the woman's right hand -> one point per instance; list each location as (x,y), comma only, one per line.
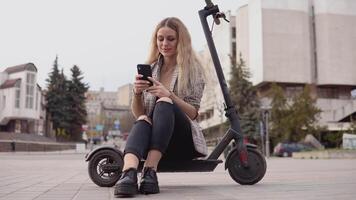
(140,85)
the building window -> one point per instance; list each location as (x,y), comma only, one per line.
(206,115)
(233,32)
(292,91)
(30,87)
(328,93)
(36,100)
(31,68)
(3,102)
(17,94)
(233,51)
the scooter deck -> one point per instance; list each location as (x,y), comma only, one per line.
(186,165)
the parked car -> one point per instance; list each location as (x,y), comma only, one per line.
(287,149)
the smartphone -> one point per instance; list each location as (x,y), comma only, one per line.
(146,71)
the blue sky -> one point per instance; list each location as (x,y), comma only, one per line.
(105,38)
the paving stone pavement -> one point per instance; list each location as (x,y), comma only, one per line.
(63,176)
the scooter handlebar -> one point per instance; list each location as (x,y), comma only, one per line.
(216,13)
(209,4)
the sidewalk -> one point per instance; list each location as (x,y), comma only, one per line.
(64,177)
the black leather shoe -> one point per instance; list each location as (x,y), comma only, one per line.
(149,182)
(127,184)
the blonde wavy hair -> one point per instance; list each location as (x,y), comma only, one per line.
(190,69)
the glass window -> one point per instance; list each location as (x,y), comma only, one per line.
(17,94)
(233,51)
(31,68)
(36,100)
(291,91)
(3,101)
(233,32)
(328,93)
(17,99)
(30,87)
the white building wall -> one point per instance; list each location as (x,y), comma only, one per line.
(336,41)
(242,34)
(10,111)
(7,103)
(23,112)
(3,77)
(255,41)
(286,41)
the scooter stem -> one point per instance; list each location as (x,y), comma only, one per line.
(230,110)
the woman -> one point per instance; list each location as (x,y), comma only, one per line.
(166,127)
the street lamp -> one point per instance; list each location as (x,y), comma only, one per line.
(262,134)
(265,115)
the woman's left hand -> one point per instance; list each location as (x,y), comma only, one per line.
(158,89)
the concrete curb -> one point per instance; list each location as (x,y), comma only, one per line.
(327,154)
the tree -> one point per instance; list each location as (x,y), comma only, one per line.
(56,100)
(77,114)
(352,128)
(53,76)
(244,96)
(279,114)
(305,115)
(293,119)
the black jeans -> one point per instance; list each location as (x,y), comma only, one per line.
(170,134)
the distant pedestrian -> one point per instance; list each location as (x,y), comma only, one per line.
(13,146)
(85,138)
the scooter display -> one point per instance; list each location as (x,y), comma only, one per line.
(245,164)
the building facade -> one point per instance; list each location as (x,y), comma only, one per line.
(105,108)
(295,43)
(21,100)
(124,95)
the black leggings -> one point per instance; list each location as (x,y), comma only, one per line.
(170,134)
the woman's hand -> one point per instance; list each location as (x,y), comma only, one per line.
(158,89)
(140,85)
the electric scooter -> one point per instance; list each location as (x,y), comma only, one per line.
(245,163)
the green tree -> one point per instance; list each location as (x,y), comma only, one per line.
(77,114)
(280,114)
(56,100)
(244,96)
(304,115)
(352,128)
(293,119)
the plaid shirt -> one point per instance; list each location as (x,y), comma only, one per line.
(193,97)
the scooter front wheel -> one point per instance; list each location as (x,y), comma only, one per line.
(105,168)
(251,174)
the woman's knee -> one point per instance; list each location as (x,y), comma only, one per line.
(144,118)
(165,99)
(164,106)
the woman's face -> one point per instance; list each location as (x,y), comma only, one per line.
(167,41)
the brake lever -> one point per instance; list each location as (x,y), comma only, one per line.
(221,15)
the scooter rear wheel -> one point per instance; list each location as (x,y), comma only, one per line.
(101,159)
(247,175)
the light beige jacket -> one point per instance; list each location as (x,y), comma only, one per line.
(193,97)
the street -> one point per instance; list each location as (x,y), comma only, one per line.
(63,176)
